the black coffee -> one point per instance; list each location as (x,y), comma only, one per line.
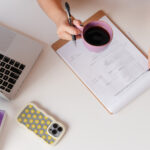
(96,36)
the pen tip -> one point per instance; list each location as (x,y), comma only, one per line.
(67,6)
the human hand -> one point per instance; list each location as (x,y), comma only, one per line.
(64,30)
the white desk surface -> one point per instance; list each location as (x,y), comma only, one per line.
(56,88)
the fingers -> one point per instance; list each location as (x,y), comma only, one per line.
(72,30)
(77,22)
(78,36)
(65,31)
(65,36)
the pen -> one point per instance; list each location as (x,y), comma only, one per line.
(67,7)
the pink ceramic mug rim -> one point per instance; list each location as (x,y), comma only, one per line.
(85,28)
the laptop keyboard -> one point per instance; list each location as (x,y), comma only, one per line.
(10,70)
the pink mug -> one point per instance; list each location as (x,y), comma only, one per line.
(92,24)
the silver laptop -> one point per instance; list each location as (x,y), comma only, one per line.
(18,53)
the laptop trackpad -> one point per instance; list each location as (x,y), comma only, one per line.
(6,38)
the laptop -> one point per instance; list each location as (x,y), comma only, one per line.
(18,54)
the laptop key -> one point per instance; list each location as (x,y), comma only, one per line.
(7,72)
(5,84)
(2,87)
(6,59)
(12,62)
(7,66)
(5,77)
(15,70)
(1,75)
(2,70)
(17,64)
(10,86)
(2,64)
(1,56)
(13,75)
(7,90)
(12,81)
(22,67)
(1,81)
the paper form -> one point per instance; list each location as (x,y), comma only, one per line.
(111,73)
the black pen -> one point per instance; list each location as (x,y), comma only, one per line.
(67,7)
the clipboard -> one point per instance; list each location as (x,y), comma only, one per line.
(59,43)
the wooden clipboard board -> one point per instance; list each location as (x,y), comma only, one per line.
(58,44)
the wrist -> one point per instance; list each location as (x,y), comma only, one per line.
(62,18)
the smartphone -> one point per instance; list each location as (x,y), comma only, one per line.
(2,118)
(41,124)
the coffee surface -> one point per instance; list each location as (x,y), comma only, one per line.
(96,36)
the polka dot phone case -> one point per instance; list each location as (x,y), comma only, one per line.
(41,124)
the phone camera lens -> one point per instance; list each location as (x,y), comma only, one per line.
(55,125)
(60,129)
(54,132)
